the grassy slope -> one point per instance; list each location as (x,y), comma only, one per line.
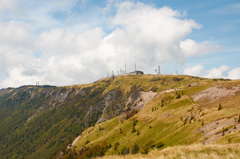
(229,151)
(166,123)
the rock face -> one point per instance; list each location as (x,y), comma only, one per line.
(138,100)
(215,93)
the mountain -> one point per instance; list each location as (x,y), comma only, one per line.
(192,113)
(117,115)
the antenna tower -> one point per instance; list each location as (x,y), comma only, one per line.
(176,69)
(125,68)
(159,70)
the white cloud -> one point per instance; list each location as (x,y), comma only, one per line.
(221,72)
(192,49)
(217,72)
(8,4)
(140,33)
(234,74)
(194,71)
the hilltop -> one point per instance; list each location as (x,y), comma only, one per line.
(120,115)
(183,110)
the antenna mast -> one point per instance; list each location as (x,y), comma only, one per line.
(125,68)
(159,70)
(176,69)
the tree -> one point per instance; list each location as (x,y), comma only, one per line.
(220,106)
(138,133)
(135,149)
(133,129)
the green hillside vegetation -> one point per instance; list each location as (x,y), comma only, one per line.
(194,151)
(170,119)
(40,122)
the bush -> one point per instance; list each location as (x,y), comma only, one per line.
(159,144)
(220,107)
(86,142)
(125,151)
(133,130)
(135,149)
(178,96)
(116,146)
(138,133)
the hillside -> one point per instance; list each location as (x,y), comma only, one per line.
(201,112)
(40,122)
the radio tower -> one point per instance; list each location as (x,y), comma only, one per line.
(176,69)
(159,70)
(125,68)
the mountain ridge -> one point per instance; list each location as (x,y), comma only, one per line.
(39,122)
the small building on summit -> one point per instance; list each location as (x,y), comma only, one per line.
(135,73)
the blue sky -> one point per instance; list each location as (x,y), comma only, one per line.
(65,42)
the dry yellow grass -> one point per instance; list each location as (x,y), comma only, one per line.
(196,151)
(168,122)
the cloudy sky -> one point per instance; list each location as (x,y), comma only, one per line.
(65,42)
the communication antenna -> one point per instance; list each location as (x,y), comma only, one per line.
(125,67)
(112,73)
(176,69)
(155,71)
(159,70)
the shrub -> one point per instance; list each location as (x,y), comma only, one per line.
(159,144)
(125,150)
(135,149)
(220,106)
(86,142)
(138,133)
(133,129)
(178,96)
(116,146)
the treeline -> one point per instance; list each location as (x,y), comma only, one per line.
(100,150)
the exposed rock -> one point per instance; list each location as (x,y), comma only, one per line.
(215,93)
(62,95)
(138,100)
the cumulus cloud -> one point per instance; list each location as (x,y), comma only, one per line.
(234,74)
(217,72)
(221,72)
(139,33)
(192,49)
(194,71)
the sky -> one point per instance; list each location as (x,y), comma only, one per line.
(66,42)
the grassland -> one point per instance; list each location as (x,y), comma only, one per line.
(173,121)
(194,151)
